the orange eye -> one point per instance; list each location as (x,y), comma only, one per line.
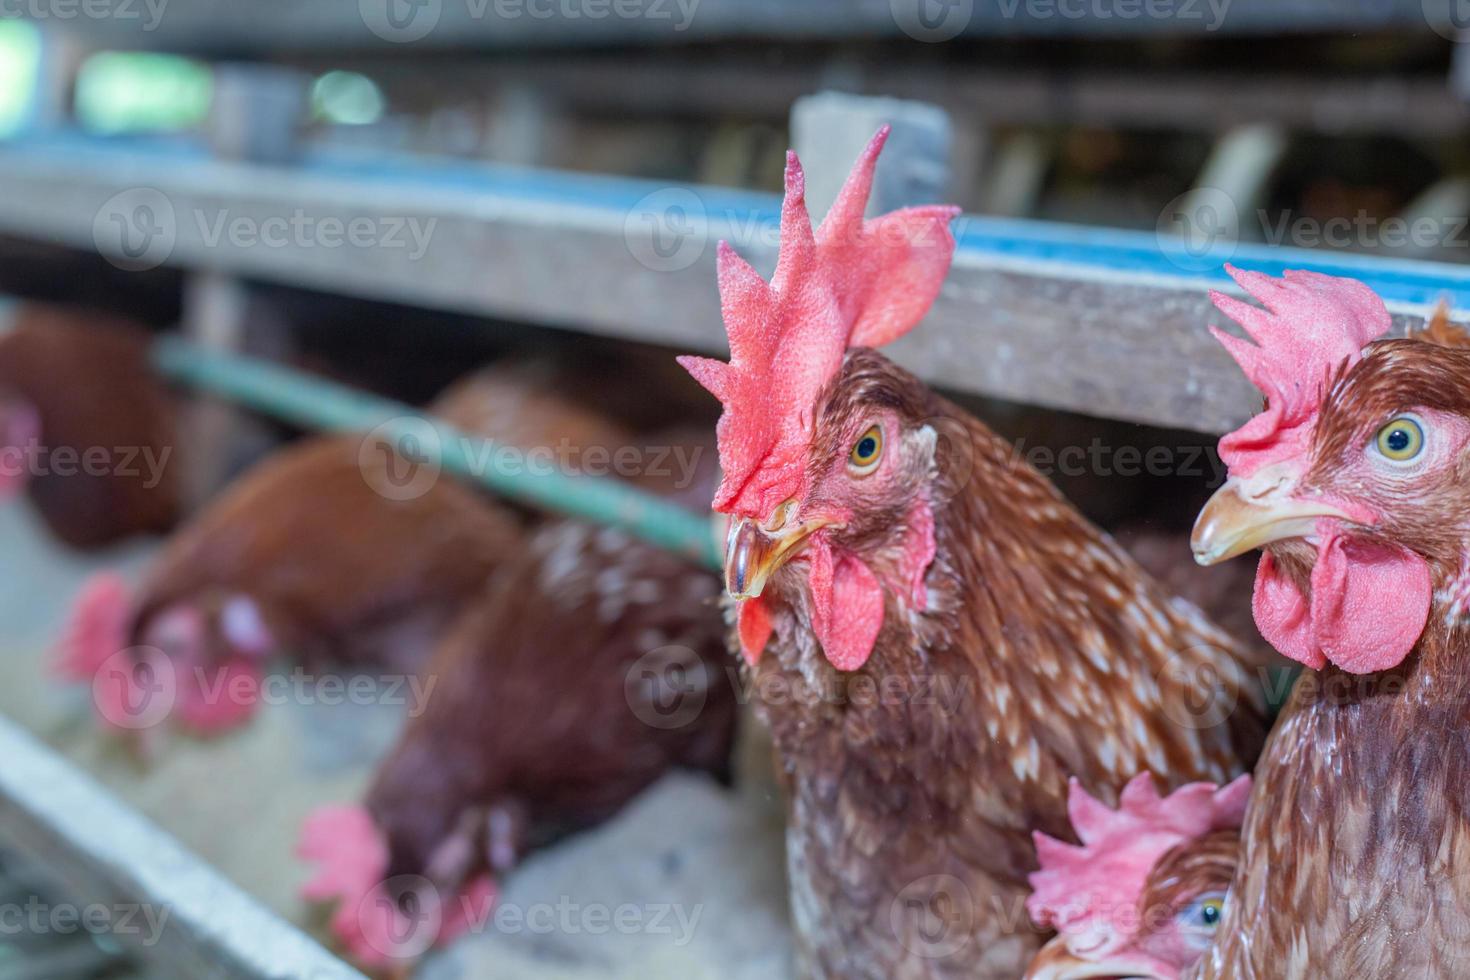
(867,450)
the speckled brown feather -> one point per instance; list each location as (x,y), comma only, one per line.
(538,714)
(1045,652)
(338,571)
(1360,864)
(89,377)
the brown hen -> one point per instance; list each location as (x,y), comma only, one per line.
(590,665)
(304,554)
(936,638)
(1354,481)
(86,427)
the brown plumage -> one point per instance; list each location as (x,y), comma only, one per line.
(83,382)
(531,405)
(338,571)
(1222,593)
(590,665)
(549,700)
(1040,651)
(1354,858)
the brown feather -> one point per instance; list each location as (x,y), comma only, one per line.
(1045,652)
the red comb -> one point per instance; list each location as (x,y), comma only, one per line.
(95,629)
(1311,324)
(1095,887)
(851,283)
(351,855)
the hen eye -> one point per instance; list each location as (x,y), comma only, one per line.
(1400,440)
(867,450)
(1204,914)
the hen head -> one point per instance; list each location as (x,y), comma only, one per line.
(1143,894)
(382,918)
(20,431)
(196,662)
(1350,478)
(823,452)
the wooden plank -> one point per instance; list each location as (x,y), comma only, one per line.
(1087,319)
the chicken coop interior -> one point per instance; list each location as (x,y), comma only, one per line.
(398,582)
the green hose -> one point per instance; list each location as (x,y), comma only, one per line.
(313,402)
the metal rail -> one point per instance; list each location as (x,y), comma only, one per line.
(297,397)
(1104,322)
(104,854)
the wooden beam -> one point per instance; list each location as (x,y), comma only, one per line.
(1094,320)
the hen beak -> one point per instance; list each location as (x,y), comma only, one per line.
(1247,514)
(752,553)
(1057,962)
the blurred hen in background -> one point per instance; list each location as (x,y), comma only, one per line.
(323,553)
(75,384)
(591,664)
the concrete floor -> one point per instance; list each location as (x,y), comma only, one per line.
(701,865)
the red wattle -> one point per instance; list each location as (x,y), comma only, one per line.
(847,607)
(1283,615)
(1370,602)
(754,627)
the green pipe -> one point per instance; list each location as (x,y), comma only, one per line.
(316,403)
